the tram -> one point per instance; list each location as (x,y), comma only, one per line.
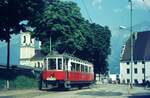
(65,71)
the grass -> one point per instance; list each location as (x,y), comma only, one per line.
(21,82)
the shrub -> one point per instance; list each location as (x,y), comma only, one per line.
(23,82)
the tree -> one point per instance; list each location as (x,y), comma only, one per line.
(101,47)
(12,12)
(63,22)
(97,47)
(72,34)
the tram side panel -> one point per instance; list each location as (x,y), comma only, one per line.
(79,76)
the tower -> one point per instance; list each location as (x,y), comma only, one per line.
(27,48)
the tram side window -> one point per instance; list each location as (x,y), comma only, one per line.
(45,64)
(64,64)
(82,68)
(77,67)
(89,69)
(59,64)
(52,64)
(72,66)
(86,69)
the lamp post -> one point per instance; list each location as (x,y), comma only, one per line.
(131,35)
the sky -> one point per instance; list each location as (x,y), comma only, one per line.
(114,13)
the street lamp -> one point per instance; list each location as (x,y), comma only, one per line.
(131,35)
(131,43)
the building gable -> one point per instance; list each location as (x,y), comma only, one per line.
(141,47)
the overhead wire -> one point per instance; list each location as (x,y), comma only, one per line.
(86,10)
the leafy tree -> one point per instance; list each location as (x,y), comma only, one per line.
(72,34)
(97,47)
(12,12)
(101,47)
(63,22)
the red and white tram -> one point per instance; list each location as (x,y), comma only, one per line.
(66,71)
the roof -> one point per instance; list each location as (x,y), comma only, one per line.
(55,54)
(141,47)
(38,55)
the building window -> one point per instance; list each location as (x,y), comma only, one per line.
(143,70)
(135,70)
(24,39)
(38,64)
(35,65)
(128,71)
(123,81)
(128,63)
(135,81)
(128,81)
(135,62)
(143,62)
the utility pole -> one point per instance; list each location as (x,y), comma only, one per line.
(131,32)
(50,42)
(8,59)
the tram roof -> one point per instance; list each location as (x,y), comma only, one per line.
(68,57)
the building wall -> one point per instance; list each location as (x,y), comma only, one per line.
(27,48)
(139,76)
(38,63)
(147,70)
(26,62)
(26,52)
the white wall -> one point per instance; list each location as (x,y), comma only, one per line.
(139,76)
(38,63)
(27,48)
(147,69)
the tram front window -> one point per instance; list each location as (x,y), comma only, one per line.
(52,64)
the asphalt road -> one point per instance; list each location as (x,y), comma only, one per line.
(96,91)
(143,95)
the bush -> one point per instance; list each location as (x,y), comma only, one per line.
(22,82)
(2,82)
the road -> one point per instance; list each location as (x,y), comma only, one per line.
(96,91)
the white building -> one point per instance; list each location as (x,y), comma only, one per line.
(113,78)
(141,59)
(29,56)
(27,48)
